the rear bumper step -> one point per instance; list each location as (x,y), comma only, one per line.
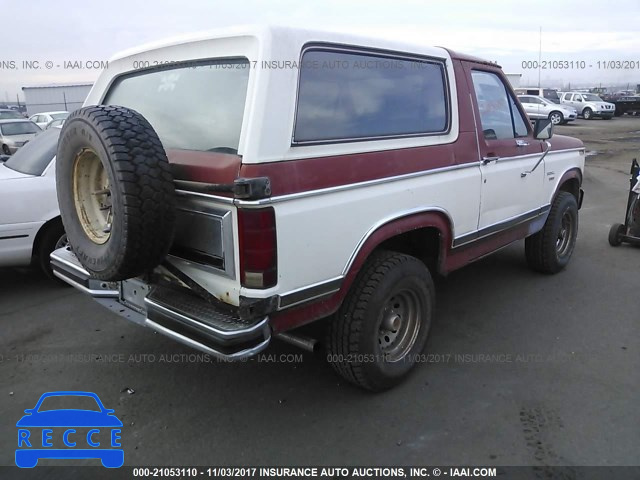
(176,313)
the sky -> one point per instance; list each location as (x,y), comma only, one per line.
(504,31)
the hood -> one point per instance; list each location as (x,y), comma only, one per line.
(7,174)
(69,418)
(562,142)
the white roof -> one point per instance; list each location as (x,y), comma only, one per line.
(267,34)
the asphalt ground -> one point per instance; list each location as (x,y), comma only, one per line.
(520,368)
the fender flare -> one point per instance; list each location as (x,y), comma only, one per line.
(391,227)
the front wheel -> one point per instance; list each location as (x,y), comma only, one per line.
(550,250)
(5,150)
(587,113)
(556,118)
(374,340)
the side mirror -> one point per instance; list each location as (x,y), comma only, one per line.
(542,129)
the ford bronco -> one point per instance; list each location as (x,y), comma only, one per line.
(229,188)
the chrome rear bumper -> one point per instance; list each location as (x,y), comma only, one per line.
(176,313)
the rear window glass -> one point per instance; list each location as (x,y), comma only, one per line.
(346,96)
(9,115)
(19,128)
(35,155)
(191,107)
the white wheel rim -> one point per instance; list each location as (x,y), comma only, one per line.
(92,196)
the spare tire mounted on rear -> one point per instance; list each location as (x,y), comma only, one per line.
(115,191)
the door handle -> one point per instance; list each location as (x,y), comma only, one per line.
(522,143)
(488,160)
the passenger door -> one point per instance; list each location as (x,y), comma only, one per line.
(507,150)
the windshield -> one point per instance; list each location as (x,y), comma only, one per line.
(18,128)
(69,402)
(61,115)
(195,107)
(589,97)
(34,157)
(9,115)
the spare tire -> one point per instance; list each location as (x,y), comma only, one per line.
(115,191)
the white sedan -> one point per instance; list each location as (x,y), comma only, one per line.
(30,224)
(44,118)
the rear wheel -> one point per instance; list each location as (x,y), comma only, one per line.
(616,232)
(5,150)
(383,324)
(52,238)
(556,118)
(550,250)
(587,113)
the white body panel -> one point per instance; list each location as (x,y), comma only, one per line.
(26,203)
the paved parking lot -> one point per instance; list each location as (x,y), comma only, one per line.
(525,368)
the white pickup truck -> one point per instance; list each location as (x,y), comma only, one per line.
(228,188)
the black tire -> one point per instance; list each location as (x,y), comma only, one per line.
(5,150)
(587,113)
(134,185)
(556,118)
(549,250)
(51,239)
(354,346)
(616,232)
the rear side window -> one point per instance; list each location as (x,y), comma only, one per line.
(346,96)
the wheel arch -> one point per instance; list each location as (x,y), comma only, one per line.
(57,220)
(408,233)
(400,233)
(570,182)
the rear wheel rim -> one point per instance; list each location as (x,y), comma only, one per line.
(565,234)
(92,196)
(399,325)
(62,242)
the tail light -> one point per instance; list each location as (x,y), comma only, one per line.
(258,247)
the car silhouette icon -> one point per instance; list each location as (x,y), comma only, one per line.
(69,433)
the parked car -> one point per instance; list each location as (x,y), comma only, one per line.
(538,107)
(588,105)
(288,195)
(55,123)
(30,224)
(43,119)
(548,93)
(10,114)
(15,133)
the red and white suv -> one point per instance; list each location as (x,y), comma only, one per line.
(228,188)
